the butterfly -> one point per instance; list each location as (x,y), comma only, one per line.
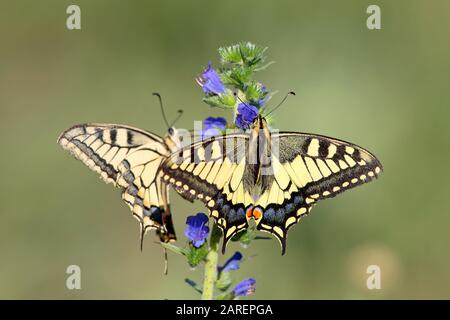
(273,178)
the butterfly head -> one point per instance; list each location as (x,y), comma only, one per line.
(260,122)
(173,139)
(177,138)
(259,127)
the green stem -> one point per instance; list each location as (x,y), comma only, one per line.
(212,260)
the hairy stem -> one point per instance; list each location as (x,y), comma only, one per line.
(212,259)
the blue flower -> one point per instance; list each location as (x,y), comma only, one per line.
(213,126)
(210,81)
(266,97)
(197,229)
(247,113)
(232,263)
(245,288)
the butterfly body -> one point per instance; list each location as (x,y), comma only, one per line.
(273,178)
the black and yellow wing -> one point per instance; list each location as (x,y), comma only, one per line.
(213,171)
(128,158)
(303,169)
(308,168)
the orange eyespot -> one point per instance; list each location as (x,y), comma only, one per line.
(254,212)
(257,213)
(249,212)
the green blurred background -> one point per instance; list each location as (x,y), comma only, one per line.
(386,90)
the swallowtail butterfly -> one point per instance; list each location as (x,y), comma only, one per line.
(273,178)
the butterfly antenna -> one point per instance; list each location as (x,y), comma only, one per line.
(245,103)
(162,108)
(180,113)
(282,101)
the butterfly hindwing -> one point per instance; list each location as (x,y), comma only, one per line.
(144,191)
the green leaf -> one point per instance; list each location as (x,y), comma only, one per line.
(225,100)
(253,55)
(245,236)
(230,54)
(228,99)
(239,76)
(254,93)
(264,67)
(224,281)
(244,53)
(197,255)
(194,285)
(248,235)
(175,249)
(216,101)
(226,296)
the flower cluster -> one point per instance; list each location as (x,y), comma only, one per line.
(245,288)
(210,81)
(197,231)
(232,87)
(246,114)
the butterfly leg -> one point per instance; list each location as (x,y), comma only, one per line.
(167,231)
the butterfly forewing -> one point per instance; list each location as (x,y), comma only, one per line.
(325,167)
